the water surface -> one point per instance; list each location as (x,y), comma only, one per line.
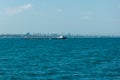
(71,59)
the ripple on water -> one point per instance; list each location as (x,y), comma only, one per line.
(71,59)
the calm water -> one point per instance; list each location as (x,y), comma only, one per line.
(71,59)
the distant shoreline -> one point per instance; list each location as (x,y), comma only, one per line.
(54,35)
(48,36)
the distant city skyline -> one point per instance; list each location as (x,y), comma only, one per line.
(85,17)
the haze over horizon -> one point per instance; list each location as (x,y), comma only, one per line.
(85,17)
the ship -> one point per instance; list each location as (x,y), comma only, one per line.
(61,37)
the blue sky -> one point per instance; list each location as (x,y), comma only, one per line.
(85,17)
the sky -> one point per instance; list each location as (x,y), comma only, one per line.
(85,17)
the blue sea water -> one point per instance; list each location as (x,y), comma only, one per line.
(70,59)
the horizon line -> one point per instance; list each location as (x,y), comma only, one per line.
(72,34)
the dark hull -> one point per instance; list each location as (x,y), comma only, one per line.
(59,38)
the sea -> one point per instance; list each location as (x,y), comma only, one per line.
(70,59)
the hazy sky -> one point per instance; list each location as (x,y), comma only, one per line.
(93,17)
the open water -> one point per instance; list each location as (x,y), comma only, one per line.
(71,59)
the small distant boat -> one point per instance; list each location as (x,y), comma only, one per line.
(61,37)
